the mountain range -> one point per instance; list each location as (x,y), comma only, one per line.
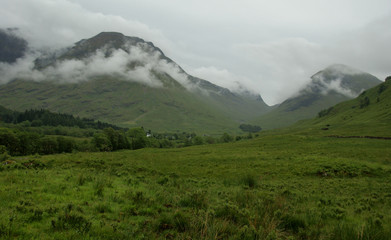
(131,82)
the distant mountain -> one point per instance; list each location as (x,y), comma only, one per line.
(367,115)
(328,87)
(12,47)
(129,82)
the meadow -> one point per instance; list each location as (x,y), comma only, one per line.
(276,186)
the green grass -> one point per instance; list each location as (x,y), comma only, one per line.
(276,186)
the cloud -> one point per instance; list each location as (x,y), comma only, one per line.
(283,66)
(327,86)
(59,23)
(223,77)
(118,64)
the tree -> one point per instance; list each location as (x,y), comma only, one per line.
(226,138)
(48,145)
(138,138)
(197,140)
(112,135)
(65,144)
(10,141)
(29,143)
(101,142)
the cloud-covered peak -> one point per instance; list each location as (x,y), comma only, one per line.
(108,53)
(342,79)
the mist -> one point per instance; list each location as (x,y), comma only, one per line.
(117,64)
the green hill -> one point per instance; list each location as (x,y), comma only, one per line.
(129,82)
(333,85)
(367,115)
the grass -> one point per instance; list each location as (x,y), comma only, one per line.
(276,186)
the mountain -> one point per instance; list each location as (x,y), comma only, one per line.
(367,115)
(12,47)
(129,82)
(335,84)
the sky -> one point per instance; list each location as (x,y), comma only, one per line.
(270,47)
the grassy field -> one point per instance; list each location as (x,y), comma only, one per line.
(277,186)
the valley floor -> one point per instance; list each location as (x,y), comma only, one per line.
(287,186)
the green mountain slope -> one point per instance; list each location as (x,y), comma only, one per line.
(333,85)
(367,115)
(141,86)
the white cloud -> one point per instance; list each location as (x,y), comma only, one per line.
(223,77)
(282,66)
(98,64)
(59,23)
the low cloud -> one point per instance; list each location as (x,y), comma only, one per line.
(118,64)
(283,66)
(225,78)
(335,85)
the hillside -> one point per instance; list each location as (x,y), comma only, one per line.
(129,82)
(367,115)
(333,85)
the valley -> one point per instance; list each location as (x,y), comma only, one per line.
(111,139)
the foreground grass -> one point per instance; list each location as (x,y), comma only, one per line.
(273,187)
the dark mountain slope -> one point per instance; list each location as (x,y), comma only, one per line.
(12,47)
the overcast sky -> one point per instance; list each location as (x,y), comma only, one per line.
(271,47)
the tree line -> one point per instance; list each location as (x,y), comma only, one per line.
(43,117)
